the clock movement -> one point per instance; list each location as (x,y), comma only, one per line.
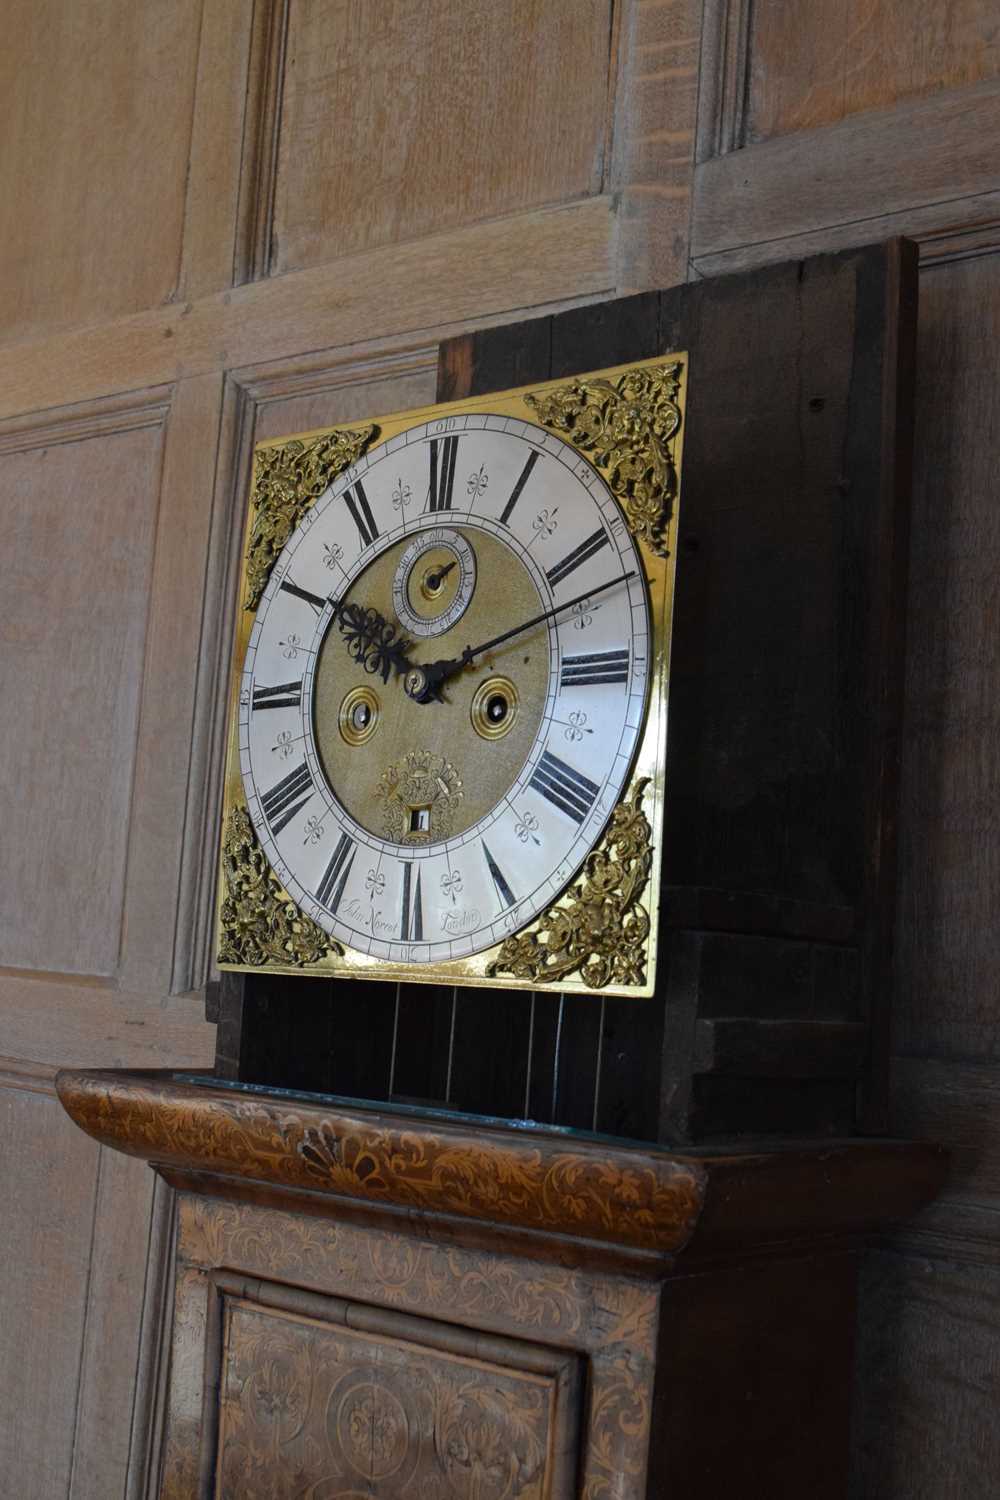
(448,706)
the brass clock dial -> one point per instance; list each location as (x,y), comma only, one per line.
(444,691)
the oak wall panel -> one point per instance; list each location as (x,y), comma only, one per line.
(412,117)
(80,504)
(48,1181)
(813,62)
(96,103)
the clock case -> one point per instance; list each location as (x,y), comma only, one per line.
(771,1012)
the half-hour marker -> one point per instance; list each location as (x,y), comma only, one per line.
(336,873)
(357,504)
(593,667)
(515,493)
(580,554)
(568,790)
(504,891)
(287,798)
(444,451)
(282,695)
(411,922)
(315,600)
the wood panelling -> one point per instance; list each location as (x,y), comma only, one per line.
(958,1105)
(410,117)
(115,1291)
(49,1021)
(656,110)
(812,64)
(95,102)
(925,1423)
(948,949)
(344,393)
(48,1182)
(79,518)
(466,276)
(864,173)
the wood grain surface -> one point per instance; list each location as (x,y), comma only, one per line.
(441,83)
(812,65)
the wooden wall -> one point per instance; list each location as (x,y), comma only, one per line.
(224,219)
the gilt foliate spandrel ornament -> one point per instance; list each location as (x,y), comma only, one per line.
(598,928)
(287,479)
(626,426)
(258,922)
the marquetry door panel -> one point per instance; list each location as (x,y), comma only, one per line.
(340,1400)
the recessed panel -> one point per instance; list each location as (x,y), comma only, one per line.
(815,64)
(411,117)
(96,102)
(74,578)
(406,1408)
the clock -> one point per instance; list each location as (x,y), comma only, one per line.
(448,705)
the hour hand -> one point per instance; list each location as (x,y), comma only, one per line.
(371,640)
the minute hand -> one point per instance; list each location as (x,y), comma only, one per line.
(422,682)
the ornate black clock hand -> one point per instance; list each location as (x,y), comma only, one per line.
(423,681)
(371,640)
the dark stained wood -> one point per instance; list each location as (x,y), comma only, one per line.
(801,1049)
(771,1417)
(925,1420)
(949,999)
(489,1070)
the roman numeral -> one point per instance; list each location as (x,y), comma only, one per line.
(411,922)
(357,504)
(594,667)
(444,451)
(581,554)
(568,790)
(336,874)
(282,695)
(507,897)
(515,493)
(317,603)
(290,795)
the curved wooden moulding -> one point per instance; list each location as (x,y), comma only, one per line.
(629,1198)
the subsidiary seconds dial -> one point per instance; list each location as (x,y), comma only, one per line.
(421,829)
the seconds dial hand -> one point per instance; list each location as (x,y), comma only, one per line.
(422,682)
